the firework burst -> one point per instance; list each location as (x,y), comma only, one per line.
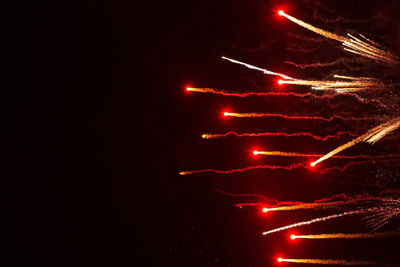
(377,211)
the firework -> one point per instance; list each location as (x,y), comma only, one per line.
(335,201)
(352,84)
(295,154)
(307,134)
(224,93)
(259,69)
(344,61)
(277,115)
(366,48)
(313,206)
(380,218)
(376,210)
(346,236)
(322,219)
(272,93)
(220,92)
(268,167)
(371,136)
(312,28)
(330,262)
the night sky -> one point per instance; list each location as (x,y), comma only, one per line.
(98,126)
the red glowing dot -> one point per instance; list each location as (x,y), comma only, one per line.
(279,259)
(255,152)
(226,113)
(293,237)
(264,210)
(280,82)
(281,13)
(312,164)
(188,89)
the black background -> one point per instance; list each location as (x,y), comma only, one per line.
(98,127)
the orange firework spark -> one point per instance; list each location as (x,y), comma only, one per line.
(316,137)
(351,44)
(352,84)
(371,136)
(277,115)
(330,262)
(346,236)
(326,203)
(305,206)
(333,202)
(312,28)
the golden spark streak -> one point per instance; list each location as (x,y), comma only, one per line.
(366,48)
(268,72)
(329,261)
(394,125)
(371,136)
(310,206)
(322,219)
(352,84)
(346,236)
(310,27)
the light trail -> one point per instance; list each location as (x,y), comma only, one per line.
(369,49)
(280,167)
(268,72)
(371,136)
(384,130)
(321,219)
(277,115)
(332,262)
(295,154)
(312,28)
(365,48)
(268,167)
(351,84)
(299,134)
(220,92)
(322,205)
(344,61)
(335,200)
(325,203)
(272,93)
(346,236)
(381,158)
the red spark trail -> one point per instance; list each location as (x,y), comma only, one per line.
(316,137)
(293,166)
(224,93)
(295,154)
(353,163)
(277,115)
(241,195)
(269,167)
(271,93)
